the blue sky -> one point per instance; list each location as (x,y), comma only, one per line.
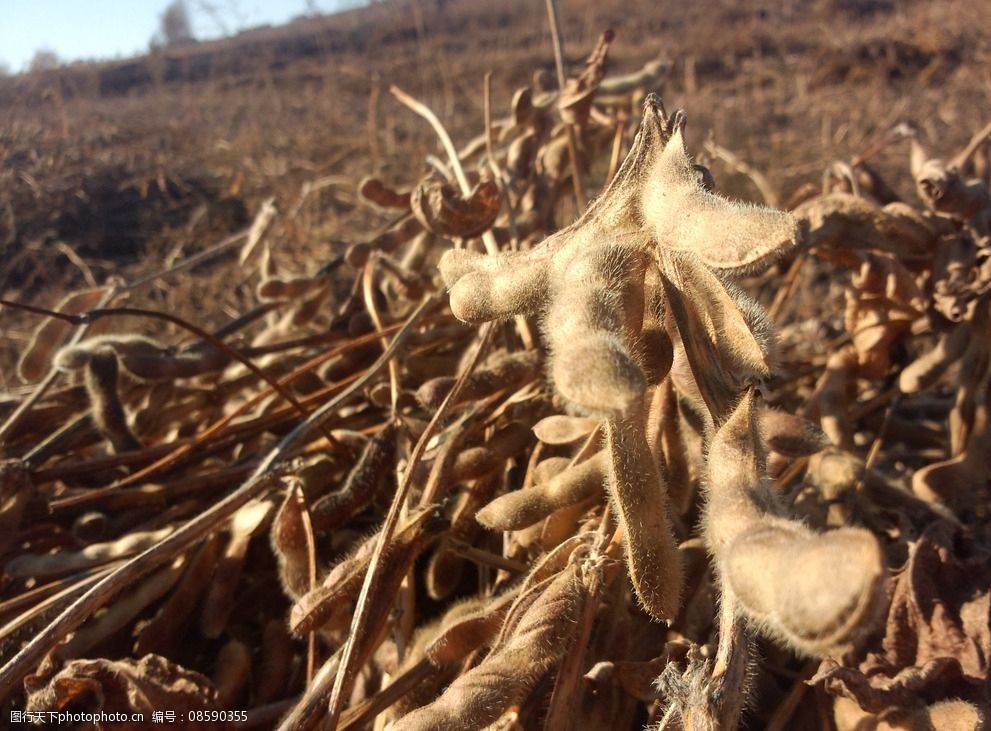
(100,29)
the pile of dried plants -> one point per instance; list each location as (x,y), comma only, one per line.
(487,471)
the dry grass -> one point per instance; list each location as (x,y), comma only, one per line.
(312,484)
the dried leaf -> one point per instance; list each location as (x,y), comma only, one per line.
(127,687)
(440,208)
(937,640)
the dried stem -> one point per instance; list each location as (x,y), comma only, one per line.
(494,163)
(616,155)
(976,141)
(741,166)
(785,290)
(399,687)
(566,698)
(311,568)
(552,15)
(368,283)
(306,711)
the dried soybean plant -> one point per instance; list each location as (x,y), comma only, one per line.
(626,502)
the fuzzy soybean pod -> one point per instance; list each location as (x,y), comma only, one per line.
(107,409)
(363,483)
(505,371)
(477,462)
(790,435)
(540,639)
(589,280)
(444,571)
(639,493)
(487,288)
(194,362)
(145,359)
(563,429)
(592,327)
(526,507)
(817,593)
(466,627)
(928,367)
(231,672)
(44,565)
(655,349)
(289,544)
(340,588)
(726,337)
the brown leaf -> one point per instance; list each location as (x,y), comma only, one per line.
(126,686)
(937,641)
(881,306)
(444,211)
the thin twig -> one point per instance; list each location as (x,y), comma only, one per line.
(311,571)
(744,168)
(617,148)
(558,43)
(875,449)
(485,558)
(976,141)
(487,117)
(43,605)
(69,253)
(494,163)
(307,710)
(785,290)
(781,719)
(399,687)
(367,284)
